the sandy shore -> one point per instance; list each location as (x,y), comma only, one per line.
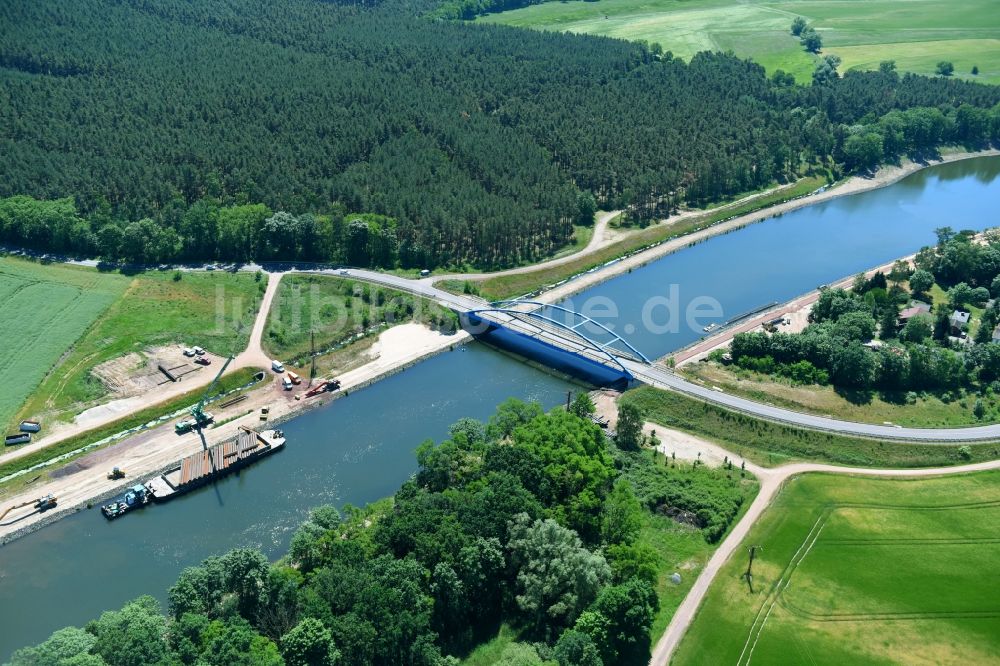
(85,479)
(673,443)
(853,185)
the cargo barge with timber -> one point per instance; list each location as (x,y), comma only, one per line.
(214,463)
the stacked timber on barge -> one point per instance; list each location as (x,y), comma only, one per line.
(215,462)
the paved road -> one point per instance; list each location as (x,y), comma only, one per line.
(771,480)
(663,378)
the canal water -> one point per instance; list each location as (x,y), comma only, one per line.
(354,450)
(361,448)
(784,257)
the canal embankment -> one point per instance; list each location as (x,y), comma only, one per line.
(884,177)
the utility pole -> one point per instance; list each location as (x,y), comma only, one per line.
(748,574)
(569,398)
(312,356)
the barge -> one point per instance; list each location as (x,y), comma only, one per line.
(214,463)
(136,497)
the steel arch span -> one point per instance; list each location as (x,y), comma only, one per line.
(578,320)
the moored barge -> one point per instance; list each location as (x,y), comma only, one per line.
(214,463)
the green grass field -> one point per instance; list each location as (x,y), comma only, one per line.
(861,571)
(212,310)
(43,311)
(917,34)
(337,309)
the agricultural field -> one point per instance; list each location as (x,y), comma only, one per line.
(853,570)
(340,312)
(212,310)
(43,311)
(917,34)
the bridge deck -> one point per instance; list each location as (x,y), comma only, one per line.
(554,336)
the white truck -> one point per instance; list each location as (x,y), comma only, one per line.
(277,366)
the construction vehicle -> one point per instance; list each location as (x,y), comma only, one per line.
(116,473)
(323,387)
(40,503)
(199,417)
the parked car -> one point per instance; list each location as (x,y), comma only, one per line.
(203,360)
(188,351)
(199,351)
(425,272)
(286,384)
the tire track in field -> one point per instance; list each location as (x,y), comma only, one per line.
(771,481)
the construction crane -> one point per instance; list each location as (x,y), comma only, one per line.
(199,417)
(41,503)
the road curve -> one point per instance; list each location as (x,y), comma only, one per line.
(771,480)
(663,378)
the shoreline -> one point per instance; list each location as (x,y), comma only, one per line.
(368,374)
(371,372)
(884,177)
(703,347)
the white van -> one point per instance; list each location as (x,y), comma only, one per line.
(286,384)
(188,351)
(277,366)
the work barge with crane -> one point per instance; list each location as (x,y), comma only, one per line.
(198,469)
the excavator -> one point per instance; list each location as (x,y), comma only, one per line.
(199,417)
(41,504)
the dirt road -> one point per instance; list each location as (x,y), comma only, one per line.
(854,185)
(252,357)
(152,450)
(771,481)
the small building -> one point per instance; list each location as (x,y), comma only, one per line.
(959,321)
(916,308)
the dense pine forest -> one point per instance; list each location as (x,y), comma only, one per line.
(239,129)
(531,521)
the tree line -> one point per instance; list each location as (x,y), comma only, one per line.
(530,520)
(926,353)
(477,145)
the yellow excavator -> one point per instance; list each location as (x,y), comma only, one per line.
(41,504)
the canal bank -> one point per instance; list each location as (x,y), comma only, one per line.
(352,450)
(360,449)
(787,256)
(886,176)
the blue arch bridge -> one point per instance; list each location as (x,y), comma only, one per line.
(559,338)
